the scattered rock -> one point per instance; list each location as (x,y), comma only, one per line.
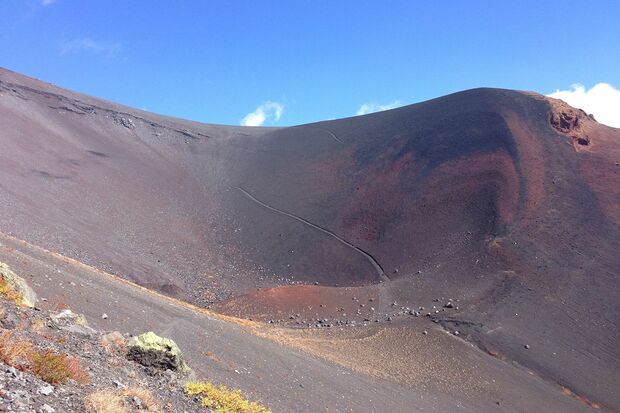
(79,330)
(46,408)
(46,390)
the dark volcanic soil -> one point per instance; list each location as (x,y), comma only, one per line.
(504,200)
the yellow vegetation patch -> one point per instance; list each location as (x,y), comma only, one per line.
(8,292)
(220,399)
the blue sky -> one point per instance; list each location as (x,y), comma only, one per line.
(218,61)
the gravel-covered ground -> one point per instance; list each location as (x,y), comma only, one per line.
(100,355)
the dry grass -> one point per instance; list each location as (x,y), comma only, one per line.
(15,352)
(57,368)
(220,399)
(149,403)
(50,366)
(114,343)
(37,325)
(108,401)
(105,401)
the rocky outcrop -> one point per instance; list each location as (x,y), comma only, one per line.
(156,353)
(570,121)
(24,295)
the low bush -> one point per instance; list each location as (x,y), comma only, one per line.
(14,352)
(50,366)
(57,368)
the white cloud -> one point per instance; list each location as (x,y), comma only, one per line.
(267,111)
(372,107)
(602,100)
(89,45)
(47,2)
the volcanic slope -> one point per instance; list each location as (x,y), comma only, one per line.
(504,200)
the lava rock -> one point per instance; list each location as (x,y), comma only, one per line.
(156,353)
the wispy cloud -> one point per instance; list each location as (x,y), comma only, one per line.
(88,45)
(373,107)
(267,111)
(602,100)
(45,3)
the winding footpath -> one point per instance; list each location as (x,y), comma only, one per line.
(304,221)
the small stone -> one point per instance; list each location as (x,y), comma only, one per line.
(104,316)
(137,402)
(46,390)
(425,332)
(46,408)
(527,346)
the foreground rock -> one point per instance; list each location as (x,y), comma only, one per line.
(156,353)
(54,362)
(24,295)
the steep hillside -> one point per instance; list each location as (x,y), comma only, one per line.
(506,201)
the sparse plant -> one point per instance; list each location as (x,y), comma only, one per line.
(8,292)
(57,368)
(148,401)
(108,401)
(105,401)
(114,343)
(37,325)
(221,399)
(14,352)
